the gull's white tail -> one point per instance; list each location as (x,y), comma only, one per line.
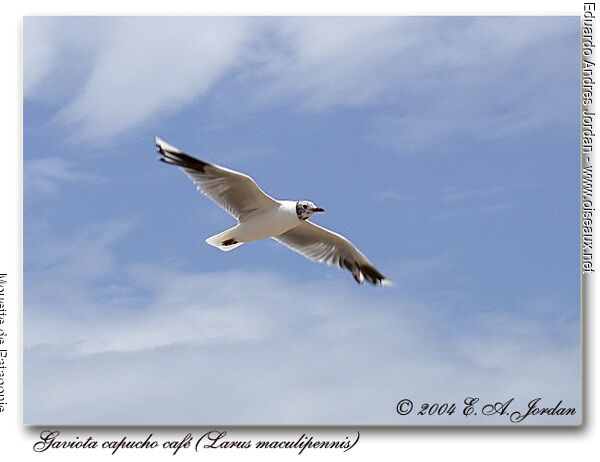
(224,241)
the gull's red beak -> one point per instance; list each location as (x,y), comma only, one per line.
(318,209)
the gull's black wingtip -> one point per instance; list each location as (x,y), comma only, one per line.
(373,276)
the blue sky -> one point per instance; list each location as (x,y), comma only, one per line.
(446,149)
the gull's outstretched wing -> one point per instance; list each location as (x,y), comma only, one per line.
(237,193)
(322,245)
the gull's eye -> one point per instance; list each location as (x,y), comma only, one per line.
(304,206)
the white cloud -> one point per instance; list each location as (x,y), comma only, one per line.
(152,66)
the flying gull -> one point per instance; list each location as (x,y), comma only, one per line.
(260,216)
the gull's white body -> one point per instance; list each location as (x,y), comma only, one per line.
(268,223)
(260,216)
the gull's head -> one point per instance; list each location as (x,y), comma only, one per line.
(305,209)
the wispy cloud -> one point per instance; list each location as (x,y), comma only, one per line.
(146,67)
(317,67)
(451,125)
(497,207)
(389,195)
(462,193)
(81,255)
(463,93)
(483,200)
(38,55)
(45,175)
